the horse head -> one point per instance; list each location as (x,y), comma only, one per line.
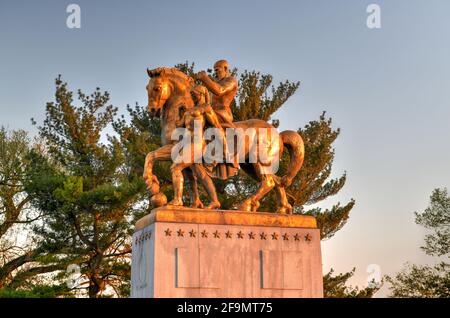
(158,90)
(163,84)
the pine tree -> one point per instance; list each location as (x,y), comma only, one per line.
(85,192)
(139,137)
(425,281)
(16,217)
(335,286)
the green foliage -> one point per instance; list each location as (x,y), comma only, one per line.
(313,184)
(416,281)
(253,99)
(84,190)
(137,138)
(428,281)
(38,291)
(436,218)
(335,286)
(187,68)
(15,213)
(14,148)
(70,191)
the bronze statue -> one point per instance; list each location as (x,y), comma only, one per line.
(169,96)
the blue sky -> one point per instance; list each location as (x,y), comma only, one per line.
(387,89)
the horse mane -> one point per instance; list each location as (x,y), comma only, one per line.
(172,73)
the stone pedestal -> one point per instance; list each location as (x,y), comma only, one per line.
(182,252)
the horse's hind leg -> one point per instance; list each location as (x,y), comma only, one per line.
(283,205)
(267,183)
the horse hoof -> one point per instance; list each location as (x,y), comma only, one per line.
(285,209)
(158,200)
(175,203)
(197,205)
(245,206)
(289,209)
(213,205)
(282,210)
(255,206)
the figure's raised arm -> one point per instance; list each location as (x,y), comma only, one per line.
(217,89)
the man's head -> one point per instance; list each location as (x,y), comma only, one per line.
(221,69)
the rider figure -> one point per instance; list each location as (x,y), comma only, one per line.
(223,88)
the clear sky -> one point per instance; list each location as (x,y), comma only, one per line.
(388,89)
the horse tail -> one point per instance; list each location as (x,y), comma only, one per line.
(294,143)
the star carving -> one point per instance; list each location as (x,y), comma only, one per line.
(308,238)
(144,237)
(228,234)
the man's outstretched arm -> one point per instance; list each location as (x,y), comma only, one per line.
(216,88)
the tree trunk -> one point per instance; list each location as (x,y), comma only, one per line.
(96,282)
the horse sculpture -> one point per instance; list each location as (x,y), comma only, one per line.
(169,96)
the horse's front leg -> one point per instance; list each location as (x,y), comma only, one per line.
(160,154)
